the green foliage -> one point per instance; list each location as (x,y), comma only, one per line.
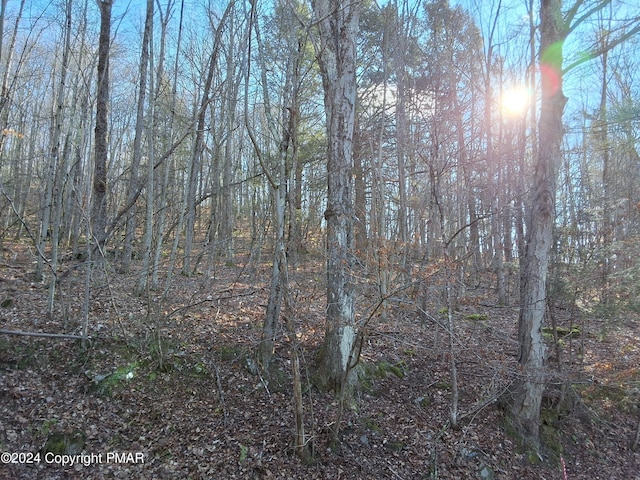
(200,370)
(47,426)
(371,425)
(244,451)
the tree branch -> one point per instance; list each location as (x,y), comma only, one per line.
(600,51)
(41,334)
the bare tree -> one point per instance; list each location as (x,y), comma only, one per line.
(101,131)
(194,169)
(555,26)
(137,140)
(57,165)
(338,26)
(146,58)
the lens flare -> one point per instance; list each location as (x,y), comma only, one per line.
(516,100)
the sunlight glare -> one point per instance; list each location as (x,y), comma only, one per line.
(516,100)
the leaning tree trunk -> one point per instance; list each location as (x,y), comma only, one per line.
(338,25)
(529,388)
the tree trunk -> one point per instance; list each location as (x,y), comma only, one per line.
(99,202)
(530,386)
(360,198)
(145,273)
(602,133)
(58,165)
(278,174)
(198,146)
(137,142)
(338,26)
(163,176)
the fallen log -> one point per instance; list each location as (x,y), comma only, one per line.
(41,334)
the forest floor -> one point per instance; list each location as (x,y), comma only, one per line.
(170,383)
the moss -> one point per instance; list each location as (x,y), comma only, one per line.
(105,383)
(513,431)
(442,385)
(478,317)
(550,449)
(573,332)
(533,456)
(383,369)
(615,395)
(56,444)
(551,434)
(230,353)
(394,446)
(367,372)
(277,379)
(65,443)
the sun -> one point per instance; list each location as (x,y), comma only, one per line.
(516,101)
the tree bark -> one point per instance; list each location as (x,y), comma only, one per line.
(99,202)
(530,386)
(338,26)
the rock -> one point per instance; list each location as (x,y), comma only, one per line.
(486,473)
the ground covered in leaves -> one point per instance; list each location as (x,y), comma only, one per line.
(168,387)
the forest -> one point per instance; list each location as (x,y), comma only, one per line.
(320,239)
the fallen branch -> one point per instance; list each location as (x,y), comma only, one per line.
(210,299)
(40,334)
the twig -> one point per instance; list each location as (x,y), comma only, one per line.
(210,299)
(634,446)
(395,474)
(221,393)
